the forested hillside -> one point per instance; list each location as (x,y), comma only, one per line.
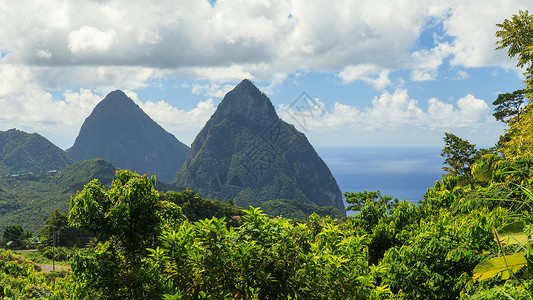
(469,238)
(21,152)
(245,152)
(28,199)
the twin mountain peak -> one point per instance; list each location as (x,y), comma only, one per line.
(244,153)
(120,132)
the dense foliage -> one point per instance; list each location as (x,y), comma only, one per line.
(469,238)
(170,257)
(21,152)
(19,280)
(517,37)
(295,210)
(196,208)
(388,249)
(28,199)
(57,232)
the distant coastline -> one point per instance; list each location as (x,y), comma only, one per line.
(401,172)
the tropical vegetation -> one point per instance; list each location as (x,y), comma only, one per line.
(469,238)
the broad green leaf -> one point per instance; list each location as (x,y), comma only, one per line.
(497,266)
(513,234)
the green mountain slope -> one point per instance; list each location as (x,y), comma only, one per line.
(122,133)
(21,152)
(247,153)
(28,199)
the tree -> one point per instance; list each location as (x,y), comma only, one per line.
(460,155)
(130,217)
(16,235)
(67,236)
(372,218)
(508,106)
(127,212)
(518,140)
(196,208)
(517,35)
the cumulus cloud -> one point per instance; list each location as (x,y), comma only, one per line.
(472,29)
(176,120)
(210,90)
(287,35)
(90,39)
(427,62)
(100,78)
(393,109)
(371,74)
(27,107)
(232,40)
(130,44)
(469,112)
(396,112)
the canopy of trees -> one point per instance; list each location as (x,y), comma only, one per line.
(469,238)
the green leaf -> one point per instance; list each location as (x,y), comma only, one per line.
(513,234)
(500,266)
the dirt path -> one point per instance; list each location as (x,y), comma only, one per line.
(48,268)
(26,250)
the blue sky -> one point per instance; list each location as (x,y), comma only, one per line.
(379,73)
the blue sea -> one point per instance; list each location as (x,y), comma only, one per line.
(401,172)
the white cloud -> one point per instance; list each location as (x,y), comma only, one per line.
(26,106)
(427,62)
(470,112)
(461,75)
(313,115)
(319,35)
(209,90)
(183,124)
(176,120)
(130,44)
(100,78)
(259,40)
(372,74)
(472,29)
(45,54)
(392,109)
(398,112)
(89,39)
(472,109)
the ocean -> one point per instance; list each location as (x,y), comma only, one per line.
(401,172)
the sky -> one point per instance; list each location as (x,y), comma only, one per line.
(345,72)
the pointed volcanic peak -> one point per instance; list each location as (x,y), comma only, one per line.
(247,153)
(22,152)
(246,102)
(119,131)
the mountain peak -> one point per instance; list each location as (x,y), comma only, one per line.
(117,96)
(117,99)
(247,85)
(116,93)
(119,131)
(247,153)
(247,102)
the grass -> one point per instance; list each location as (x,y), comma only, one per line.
(43,256)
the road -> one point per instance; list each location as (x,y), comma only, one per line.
(48,268)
